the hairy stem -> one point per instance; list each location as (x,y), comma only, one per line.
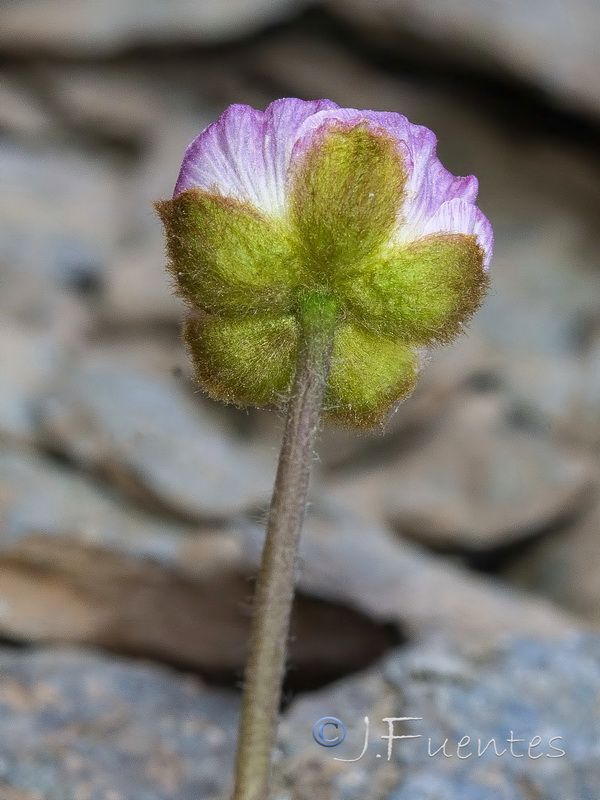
(275,587)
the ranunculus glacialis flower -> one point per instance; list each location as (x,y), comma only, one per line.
(308,198)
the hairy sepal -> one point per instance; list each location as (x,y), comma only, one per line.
(346,190)
(227,258)
(421,292)
(369,376)
(245,361)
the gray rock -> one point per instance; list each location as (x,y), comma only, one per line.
(81,724)
(549,386)
(525,689)
(542,285)
(76,724)
(137,286)
(157,114)
(79,566)
(58,208)
(586,390)
(20,110)
(58,231)
(550,44)
(29,359)
(564,566)
(489,475)
(115,99)
(112,26)
(156,352)
(151,439)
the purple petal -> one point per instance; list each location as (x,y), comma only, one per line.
(245,154)
(429,183)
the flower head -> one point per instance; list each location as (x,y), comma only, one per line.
(309,198)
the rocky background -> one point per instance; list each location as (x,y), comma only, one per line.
(450,565)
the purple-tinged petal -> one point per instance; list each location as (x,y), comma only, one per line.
(429,184)
(222,158)
(245,154)
(458,216)
(283,120)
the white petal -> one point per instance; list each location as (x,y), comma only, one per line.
(245,154)
(459,216)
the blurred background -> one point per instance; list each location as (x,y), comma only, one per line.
(450,564)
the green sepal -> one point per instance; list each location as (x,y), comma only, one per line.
(419,292)
(225,256)
(246,361)
(345,197)
(369,376)
(246,276)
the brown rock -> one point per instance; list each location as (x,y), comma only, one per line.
(80,566)
(347,560)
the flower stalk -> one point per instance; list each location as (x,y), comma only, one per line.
(275,588)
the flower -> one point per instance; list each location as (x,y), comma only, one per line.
(310,198)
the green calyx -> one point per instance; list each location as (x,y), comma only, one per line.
(250,280)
